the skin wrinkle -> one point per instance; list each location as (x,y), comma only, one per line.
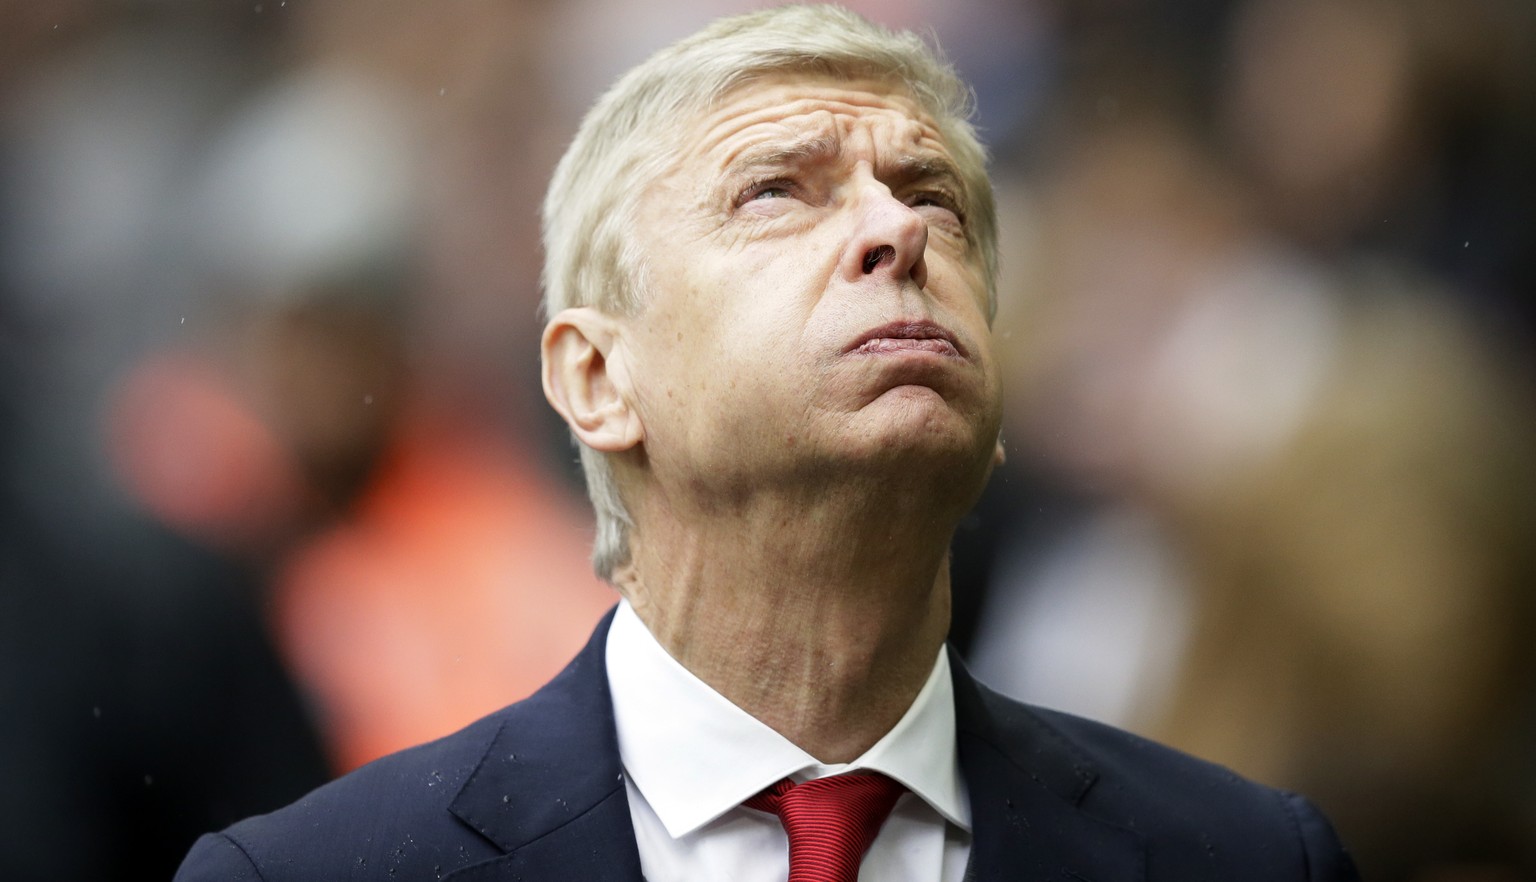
(827,123)
(794,498)
(915,173)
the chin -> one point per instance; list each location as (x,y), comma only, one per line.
(914,424)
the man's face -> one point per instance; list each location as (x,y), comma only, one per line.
(814,298)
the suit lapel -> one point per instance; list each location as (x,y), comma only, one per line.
(1027,785)
(550,790)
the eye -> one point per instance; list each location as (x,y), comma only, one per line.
(777,188)
(938,199)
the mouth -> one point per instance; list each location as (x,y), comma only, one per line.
(907,336)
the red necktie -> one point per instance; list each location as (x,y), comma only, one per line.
(830,821)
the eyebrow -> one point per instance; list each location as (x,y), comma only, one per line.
(909,168)
(824,148)
(905,169)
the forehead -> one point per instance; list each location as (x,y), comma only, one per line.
(797,109)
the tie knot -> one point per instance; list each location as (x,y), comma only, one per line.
(830,822)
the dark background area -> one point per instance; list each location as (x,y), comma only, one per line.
(277,482)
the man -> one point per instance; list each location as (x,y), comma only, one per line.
(770,253)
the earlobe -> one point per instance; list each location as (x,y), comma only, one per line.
(586,381)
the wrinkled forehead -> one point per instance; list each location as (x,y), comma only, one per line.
(817,108)
(802,113)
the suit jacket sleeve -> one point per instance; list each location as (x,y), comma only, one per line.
(1327,860)
(216,858)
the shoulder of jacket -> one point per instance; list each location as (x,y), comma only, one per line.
(390,812)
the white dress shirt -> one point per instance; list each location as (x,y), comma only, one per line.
(691,757)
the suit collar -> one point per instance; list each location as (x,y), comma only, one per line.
(1028,784)
(702,729)
(550,789)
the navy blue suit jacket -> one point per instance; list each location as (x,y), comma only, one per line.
(536,792)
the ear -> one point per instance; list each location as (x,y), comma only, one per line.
(586,381)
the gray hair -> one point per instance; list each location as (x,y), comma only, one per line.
(630,137)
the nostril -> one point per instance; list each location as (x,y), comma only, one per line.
(876,256)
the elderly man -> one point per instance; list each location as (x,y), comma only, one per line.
(770,259)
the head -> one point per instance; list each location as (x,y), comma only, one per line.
(621,172)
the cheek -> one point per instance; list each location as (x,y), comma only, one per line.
(750,321)
(702,361)
(957,274)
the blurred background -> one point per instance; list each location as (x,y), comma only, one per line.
(279,492)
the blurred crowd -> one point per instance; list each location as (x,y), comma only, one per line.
(279,493)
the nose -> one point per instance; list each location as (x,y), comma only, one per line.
(889,239)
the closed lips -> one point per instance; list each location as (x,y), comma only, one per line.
(919,336)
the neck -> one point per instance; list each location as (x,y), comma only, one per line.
(821,619)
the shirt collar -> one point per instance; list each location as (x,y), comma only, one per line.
(695,756)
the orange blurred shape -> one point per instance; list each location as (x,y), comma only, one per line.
(461,584)
(191,452)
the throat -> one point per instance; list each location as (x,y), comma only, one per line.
(832,665)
